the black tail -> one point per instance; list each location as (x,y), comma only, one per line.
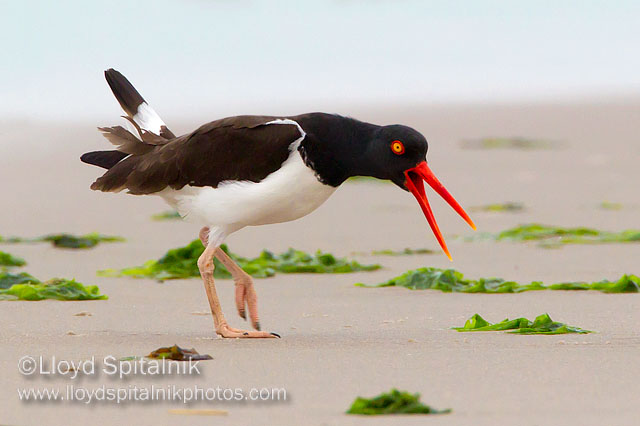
(150,128)
(130,100)
(104,159)
(127,95)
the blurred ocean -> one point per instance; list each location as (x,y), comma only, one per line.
(203,57)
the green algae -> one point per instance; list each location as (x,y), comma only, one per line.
(12,240)
(543,324)
(507,143)
(366,179)
(555,236)
(7,259)
(79,242)
(7,279)
(393,402)
(499,207)
(607,205)
(579,235)
(405,252)
(67,240)
(167,215)
(450,280)
(182,262)
(390,252)
(25,287)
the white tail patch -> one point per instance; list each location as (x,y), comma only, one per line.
(148,119)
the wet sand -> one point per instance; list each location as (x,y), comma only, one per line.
(341,341)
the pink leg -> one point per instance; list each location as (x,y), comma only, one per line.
(245,291)
(206,267)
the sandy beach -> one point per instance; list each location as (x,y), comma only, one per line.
(340,341)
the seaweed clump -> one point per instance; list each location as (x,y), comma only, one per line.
(167,215)
(499,207)
(389,252)
(79,242)
(7,259)
(23,286)
(450,280)
(608,205)
(176,353)
(8,279)
(182,263)
(67,240)
(405,252)
(506,143)
(543,324)
(555,236)
(369,179)
(393,402)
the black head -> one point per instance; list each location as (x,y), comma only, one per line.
(391,151)
(398,153)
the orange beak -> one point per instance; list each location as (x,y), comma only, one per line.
(414,183)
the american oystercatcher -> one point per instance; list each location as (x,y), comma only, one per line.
(254,170)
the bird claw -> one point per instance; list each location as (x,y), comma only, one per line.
(229,332)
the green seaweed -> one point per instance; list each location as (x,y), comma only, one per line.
(393,402)
(30,288)
(450,280)
(555,236)
(366,179)
(8,279)
(182,263)
(607,205)
(7,259)
(499,207)
(176,353)
(506,143)
(79,242)
(543,324)
(405,252)
(130,358)
(389,252)
(166,215)
(67,240)
(11,240)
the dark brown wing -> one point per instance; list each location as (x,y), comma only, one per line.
(235,148)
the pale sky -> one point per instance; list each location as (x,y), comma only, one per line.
(199,56)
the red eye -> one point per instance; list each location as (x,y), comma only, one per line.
(397,147)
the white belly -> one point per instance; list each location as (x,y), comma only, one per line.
(287,194)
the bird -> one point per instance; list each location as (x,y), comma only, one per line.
(252,170)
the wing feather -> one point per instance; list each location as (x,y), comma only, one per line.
(244,148)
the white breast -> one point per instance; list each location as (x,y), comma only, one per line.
(289,193)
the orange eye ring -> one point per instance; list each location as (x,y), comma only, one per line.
(397,147)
